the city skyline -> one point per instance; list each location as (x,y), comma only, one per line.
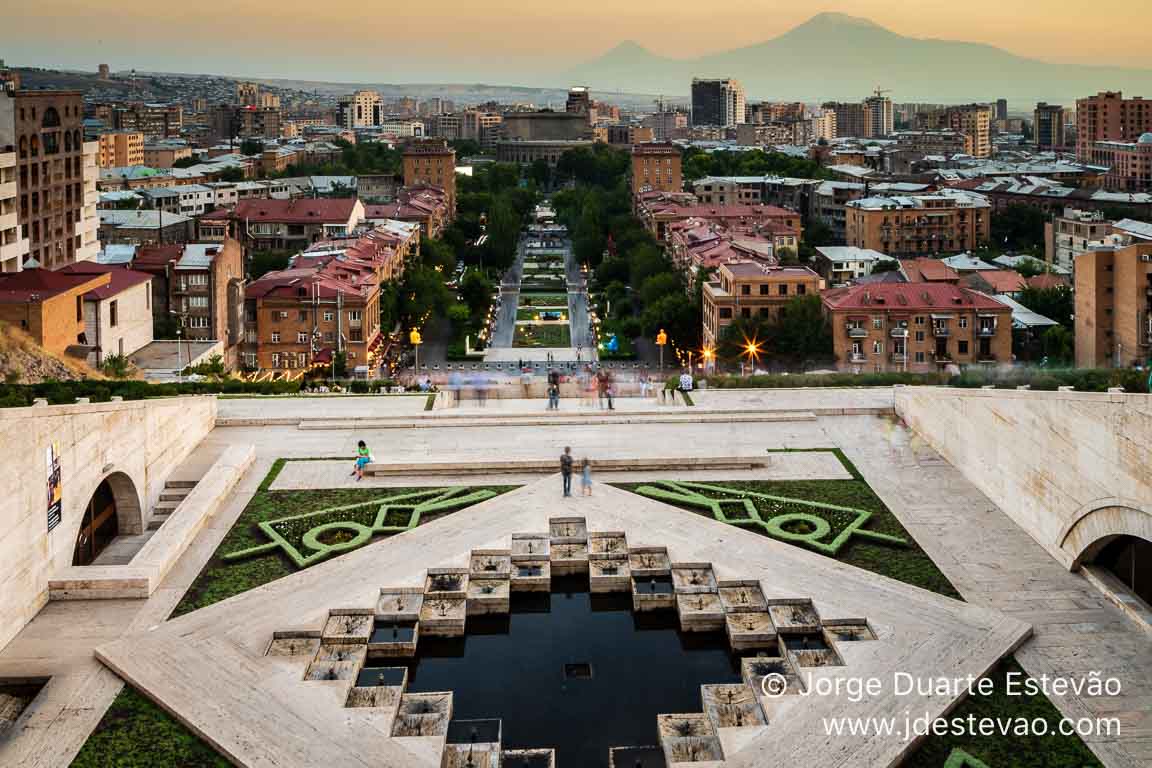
(495,44)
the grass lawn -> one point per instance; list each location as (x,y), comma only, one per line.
(912,565)
(557,335)
(530,313)
(545,299)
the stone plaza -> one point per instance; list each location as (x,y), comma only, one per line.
(706,537)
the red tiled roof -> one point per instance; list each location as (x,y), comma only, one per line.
(301,211)
(918,297)
(1047,280)
(997,280)
(36,284)
(924,270)
(150,257)
(121,279)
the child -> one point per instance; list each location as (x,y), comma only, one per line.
(586,477)
(363,459)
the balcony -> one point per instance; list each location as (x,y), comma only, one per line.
(941,331)
(857,357)
(899,333)
(942,357)
(857,333)
(986,331)
(899,357)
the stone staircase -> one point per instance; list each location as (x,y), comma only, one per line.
(175,491)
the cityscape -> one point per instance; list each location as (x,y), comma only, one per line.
(648,395)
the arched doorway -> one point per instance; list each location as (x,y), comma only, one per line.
(1129,559)
(99,525)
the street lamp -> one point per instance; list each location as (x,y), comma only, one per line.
(709,355)
(416,340)
(661,340)
(752,352)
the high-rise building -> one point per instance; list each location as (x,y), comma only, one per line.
(13,242)
(230,121)
(247,94)
(1114,306)
(360,109)
(1001,109)
(972,120)
(849,117)
(153,120)
(118,149)
(718,102)
(871,118)
(55,174)
(579,100)
(1129,163)
(1048,126)
(666,123)
(878,116)
(432,162)
(102,72)
(1108,116)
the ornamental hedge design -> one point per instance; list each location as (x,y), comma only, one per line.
(309,538)
(825,528)
(961,759)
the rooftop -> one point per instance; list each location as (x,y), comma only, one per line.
(923,297)
(120,279)
(300,211)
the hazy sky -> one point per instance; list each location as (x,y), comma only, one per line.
(466,40)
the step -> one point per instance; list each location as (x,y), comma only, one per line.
(532,466)
(155,523)
(680,415)
(163,511)
(179,495)
(167,507)
(180,484)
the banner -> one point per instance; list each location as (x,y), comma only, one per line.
(55,487)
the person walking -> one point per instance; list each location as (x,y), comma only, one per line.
(586,477)
(566,470)
(363,459)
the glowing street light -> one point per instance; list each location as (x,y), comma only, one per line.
(661,340)
(415,339)
(751,351)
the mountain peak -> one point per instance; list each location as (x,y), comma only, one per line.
(833,19)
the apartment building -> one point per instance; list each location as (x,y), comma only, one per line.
(360,109)
(751,289)
(1129,163)
(153,120)
(1075,232)
(918,224)
(165,154)
(1114,306)
(720,102)
(13,241)
(697,246)
(972,120)
(1108,116)
(841,264)
(232,121)
(656,167)
(185,199)
(666,125)
(622,135)
(266,224)
(785,192)
(871,118)
(120,148)
(916,327)
(658,210)
(431,163)
(1048,126)
(118,314)
(55,174)
(49,307)
(427,207)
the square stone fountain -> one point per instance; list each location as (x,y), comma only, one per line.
(636,757)
(609,573)
(528,758)
(753,670)
(530,547)
(693,577)
(400,603)
(568,528)
(732,706)
(700,611)
(294,643)
(811,649)
(750,631)
(336,661)
(652,593)
(423,714)
(446,582)
(489,595)
(848,630)
(443,616)
(378,687)
(649,561)
(488,563)
(472,744)
(688,738)
(609,543)
(742,595)
(795,616)
(394,637)
(348,625)
(569,556)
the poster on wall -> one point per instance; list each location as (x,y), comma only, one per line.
(55,487)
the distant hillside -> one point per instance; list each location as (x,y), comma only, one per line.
(835,56)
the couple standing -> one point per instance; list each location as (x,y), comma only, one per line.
(566,464)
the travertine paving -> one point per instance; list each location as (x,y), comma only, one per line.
(205,666)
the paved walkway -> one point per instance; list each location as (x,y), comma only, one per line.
(994,563)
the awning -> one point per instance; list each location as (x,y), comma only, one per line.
(323,357)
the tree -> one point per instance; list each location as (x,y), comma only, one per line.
(262,262)
(1058,344)
(540,172)
(886,265)
(476,291)
(1056,303)
(437,253)
(1018,228)
(816,234)
(801,331)
(186,162)
(503,233)
(459,316)
(251,147)
(1031,267)
(658,286)
(230,174)
(422,294)
(787,256)
(117,367)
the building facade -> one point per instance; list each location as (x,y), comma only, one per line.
(55,174)
(118,314)
(120,148)
(917,224)
(49,307)
(1129,163)
(1114,306)
(432,163)
(231,121)
(656,167)
(1108,116)
(1048,126)
(361,109)
(916,327)
(720,102)
(13,241)
(279,224)
(745,290)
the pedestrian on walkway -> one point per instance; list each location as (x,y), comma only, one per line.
(566,470)
(363,459)
(586,477)
(610,391)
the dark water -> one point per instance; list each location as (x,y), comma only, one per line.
(514,668)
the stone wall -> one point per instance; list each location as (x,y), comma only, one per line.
(1071,468)
(137,444)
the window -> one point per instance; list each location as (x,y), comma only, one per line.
(275,337)
(199,302)
(201,278)
(962,322)
(919,357)
(801,289)
(745,290)
(962,347)
(919,335)
(878,323)
(197,322)
(745,312)
(764,290)
(301,337)
(113,313)
(918,320)
(877,347)
(328,316)
(782,289)
(275,359)
(725,313)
